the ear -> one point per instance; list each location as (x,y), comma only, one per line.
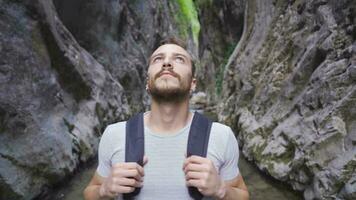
(193,84)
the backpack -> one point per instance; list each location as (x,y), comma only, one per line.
(198,140)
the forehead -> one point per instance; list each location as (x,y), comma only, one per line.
(170,48)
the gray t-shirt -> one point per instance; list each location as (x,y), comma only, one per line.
(164,177)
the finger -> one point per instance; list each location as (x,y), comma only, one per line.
(129,166)
(145,160)
(128,173)
(130,182)
(194,159)
(126,165)
(195,167)
(197,159)
(194,175)
(140,170)
(125,189)
(194,183)
(134,173)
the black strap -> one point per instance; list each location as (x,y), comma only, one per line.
(198,141)
(135,146)
(197,144)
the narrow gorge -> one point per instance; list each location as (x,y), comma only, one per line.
(281,73)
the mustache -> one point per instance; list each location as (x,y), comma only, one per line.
(160,73)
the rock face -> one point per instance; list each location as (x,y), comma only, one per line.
(290,91)
(70,67)
(55,99)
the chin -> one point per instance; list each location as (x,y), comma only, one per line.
(169,94)
(166,86)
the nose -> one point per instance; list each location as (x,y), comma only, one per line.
(167,63)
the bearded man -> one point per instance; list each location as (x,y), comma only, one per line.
(167,171)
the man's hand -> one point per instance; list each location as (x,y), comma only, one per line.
(124,178)
(201,173)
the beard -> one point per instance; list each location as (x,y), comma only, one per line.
(172,90)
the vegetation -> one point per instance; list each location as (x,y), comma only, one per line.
(188,17)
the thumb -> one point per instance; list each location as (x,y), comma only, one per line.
(145,160)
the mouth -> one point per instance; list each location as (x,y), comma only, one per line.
(167,73)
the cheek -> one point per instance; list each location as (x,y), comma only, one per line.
(152,70)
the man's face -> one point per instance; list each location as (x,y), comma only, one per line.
(170,73)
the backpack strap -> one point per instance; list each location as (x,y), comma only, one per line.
(134,145)
(198,140)
(198,143)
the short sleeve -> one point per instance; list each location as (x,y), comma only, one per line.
(104,154)
(229,169)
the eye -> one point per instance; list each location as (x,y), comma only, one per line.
(179,59)
(157,59)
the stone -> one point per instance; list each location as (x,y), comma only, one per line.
(352,72)
(349,190)
(198,100)
(298,87)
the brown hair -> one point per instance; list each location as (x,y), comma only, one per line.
(177,41)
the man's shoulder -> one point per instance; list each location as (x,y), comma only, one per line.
(220,134)
(115,130)
(221,128)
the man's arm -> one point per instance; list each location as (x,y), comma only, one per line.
(92,191)
(123,178)
(236,189)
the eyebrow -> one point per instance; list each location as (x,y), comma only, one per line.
(179,54)
(159,54)
(175,54)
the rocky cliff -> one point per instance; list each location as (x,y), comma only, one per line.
(55,99)
(290,91)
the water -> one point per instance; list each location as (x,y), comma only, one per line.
(263,187)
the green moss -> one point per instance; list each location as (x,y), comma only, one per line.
(288,155)
(38,44)
(188,17)
(257,152)
(348,170)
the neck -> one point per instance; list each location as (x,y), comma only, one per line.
(168,117)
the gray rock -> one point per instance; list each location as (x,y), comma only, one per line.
(292,94)
(352,72)
(55,100)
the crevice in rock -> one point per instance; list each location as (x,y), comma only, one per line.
(38,170)
(319,57)
(68,77)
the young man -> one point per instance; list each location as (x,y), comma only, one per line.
(167,171)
